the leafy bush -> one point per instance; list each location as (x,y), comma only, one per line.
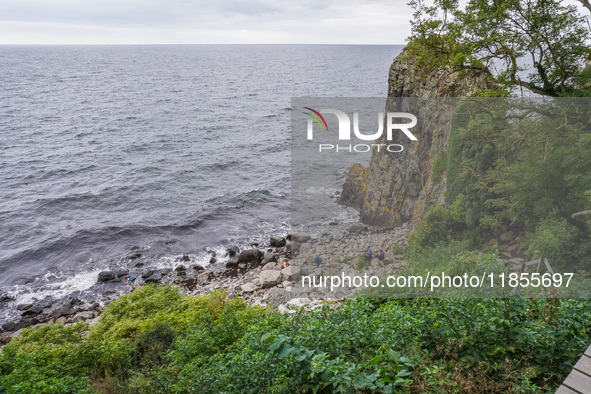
(397,249)
(365,345)
(361,263)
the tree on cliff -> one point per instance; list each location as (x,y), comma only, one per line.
(539,45)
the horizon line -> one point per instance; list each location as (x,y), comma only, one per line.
(171,44)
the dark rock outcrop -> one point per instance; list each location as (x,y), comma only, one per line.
(250,255)
(398,187)
(105,276)
(277,242)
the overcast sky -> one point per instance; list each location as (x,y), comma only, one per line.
(204,22)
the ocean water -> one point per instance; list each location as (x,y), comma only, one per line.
(110,151)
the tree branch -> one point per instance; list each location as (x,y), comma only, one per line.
(574,215)
(586,4)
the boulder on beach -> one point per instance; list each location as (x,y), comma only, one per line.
(35,310)
(232,250)
(105,276)
(19,325)
(270,278)
(277,242)
(299,237)
(59,312)
(248,287)
(233,262)
(23,307)
(278,296)
(152,280)
(203,278)
(250,255)
(147,274)
(358,228)
(269,256)
(291,273)
(85,315)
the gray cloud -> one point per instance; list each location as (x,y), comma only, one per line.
(186,21)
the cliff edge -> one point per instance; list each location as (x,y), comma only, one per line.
(399,187)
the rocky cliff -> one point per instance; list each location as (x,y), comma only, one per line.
(399,187)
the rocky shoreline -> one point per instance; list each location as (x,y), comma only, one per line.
(266,277)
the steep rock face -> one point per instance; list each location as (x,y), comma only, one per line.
(399,187)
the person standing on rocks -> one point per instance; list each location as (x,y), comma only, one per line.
(130,279)
(318,261)
(368,255)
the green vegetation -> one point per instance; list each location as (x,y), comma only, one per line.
(522,165)
(499,36)
(397,249)
(361,264)
(156,340)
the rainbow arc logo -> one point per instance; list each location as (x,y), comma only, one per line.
(316,118)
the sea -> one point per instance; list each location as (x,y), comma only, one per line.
(131,157)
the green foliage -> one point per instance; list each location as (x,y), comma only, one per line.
(397,249)
(498,35)
(361,264)
(523,163)
(439,166)
(440,225)
(366,345)
(48,360)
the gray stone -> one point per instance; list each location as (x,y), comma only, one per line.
(250,255)
(23,323)
(233,262)
(62,312)
(203,278)
(180,268)
(270,278)
(291,273)
(23,307)
(105,276)
(270,266)
(83,316)
(277,242)
(284,310)
(299,237)
(147,274)
(248,287)
(35,310)
(358,228)
(269,256)
(277,296)
(232,250)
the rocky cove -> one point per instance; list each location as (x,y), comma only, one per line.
(269,277)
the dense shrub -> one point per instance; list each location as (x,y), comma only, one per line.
(366,345)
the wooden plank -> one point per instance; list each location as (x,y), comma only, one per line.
(565,390)
(548,267)
(533,262)
(584,365)
(578,381)
(588,352)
